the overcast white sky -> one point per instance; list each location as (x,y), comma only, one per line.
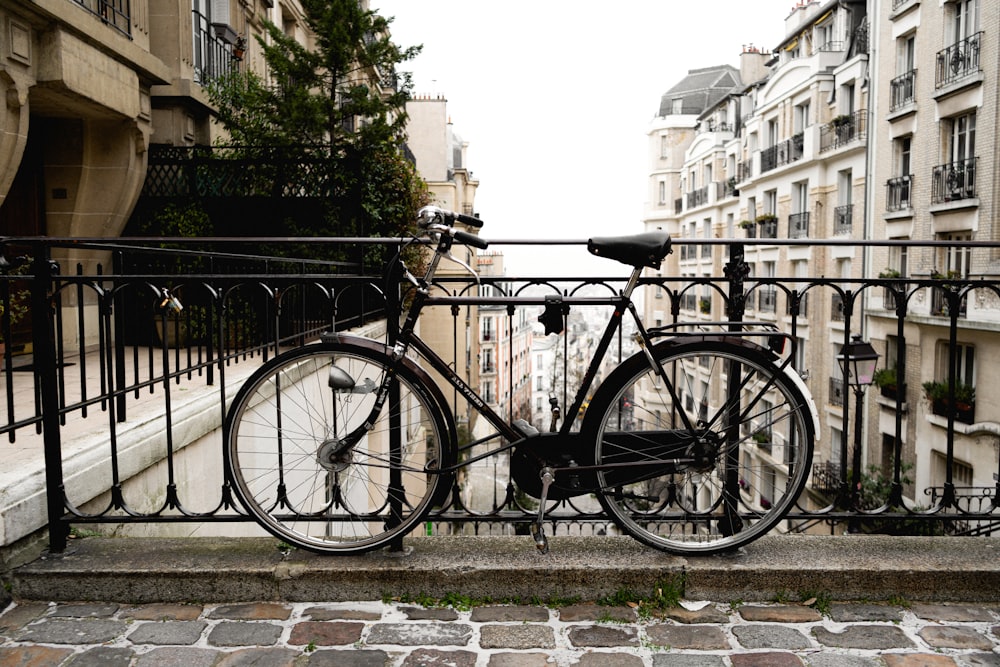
(554,98)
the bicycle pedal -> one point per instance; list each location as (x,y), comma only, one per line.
(538,534)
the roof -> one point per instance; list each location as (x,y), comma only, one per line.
(700,89)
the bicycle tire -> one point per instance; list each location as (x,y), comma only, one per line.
(289,471)
(741,488)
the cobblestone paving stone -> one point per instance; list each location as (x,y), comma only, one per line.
(370,634)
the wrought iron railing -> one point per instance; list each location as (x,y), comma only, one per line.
(898,191)
(953,181)
(844,130)
(213,57)
(902,90)
(843,219)
(93,356)
(782,153)
(116,14)
(958,61)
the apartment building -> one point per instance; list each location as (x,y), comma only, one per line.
(440,157)
(934,178)
(776,151)
(872,120)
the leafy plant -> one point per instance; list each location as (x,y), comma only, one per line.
(18,301)
(765,218)
(889,273)
(314,97)
(938,391)
(885,377)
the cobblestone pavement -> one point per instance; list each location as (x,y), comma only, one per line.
(400,634)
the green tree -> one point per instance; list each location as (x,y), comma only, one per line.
(343,101)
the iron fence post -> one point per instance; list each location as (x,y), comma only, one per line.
(44,351)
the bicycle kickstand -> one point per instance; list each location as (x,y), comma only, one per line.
(537,529)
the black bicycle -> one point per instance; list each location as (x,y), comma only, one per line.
(700,442)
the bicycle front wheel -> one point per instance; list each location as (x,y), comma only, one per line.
(293,470)
(707,457)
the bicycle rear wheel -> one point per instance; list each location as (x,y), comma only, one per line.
(293,472)
(716,468)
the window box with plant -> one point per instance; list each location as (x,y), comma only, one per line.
(965,400)
(887,382)
(768,225)
(705,305)
(749,227)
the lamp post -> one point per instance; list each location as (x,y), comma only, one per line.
(857,360)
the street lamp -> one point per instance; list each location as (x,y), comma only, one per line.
(857,360)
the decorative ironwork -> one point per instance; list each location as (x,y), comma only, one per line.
(898,191)
(783,153)
(953,181)
(902,90)
(844,130)
(241,308)
(958,61)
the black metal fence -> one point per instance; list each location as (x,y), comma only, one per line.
(95,328)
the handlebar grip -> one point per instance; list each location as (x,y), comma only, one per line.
(466,238)
(469,220)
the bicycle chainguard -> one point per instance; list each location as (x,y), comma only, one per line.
(537,527)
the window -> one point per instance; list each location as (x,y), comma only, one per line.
(955,259)
(677,106)
(488,365)
(961,472)
(965,363)
(801,120)
(961,137)
(664,146)
(965,19)
(898,188)
(771,202)
(905,53)
(662,198)
(772,132)
(487,322)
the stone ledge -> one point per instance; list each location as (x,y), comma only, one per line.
(873,568)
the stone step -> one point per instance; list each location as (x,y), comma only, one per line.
(147,570)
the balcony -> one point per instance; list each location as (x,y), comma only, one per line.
(843,219)
(780,154)
(798,225)
(843,130)
(897,193)
(698,197)
(116,14)
(954,181)
(902,90)
(958,61)
(213,55)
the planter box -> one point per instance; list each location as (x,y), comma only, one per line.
(964,412)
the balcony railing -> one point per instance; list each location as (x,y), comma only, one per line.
(902,90)
(897,193)
(698,197)
(213,56)
(843,219)
(114,13)
(783,153)
(958,61)
(953,181)
(250,306)
(798,225)
(843,130)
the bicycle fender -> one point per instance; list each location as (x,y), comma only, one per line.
(353,340)
(788,371)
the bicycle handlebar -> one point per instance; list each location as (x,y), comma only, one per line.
(433,217)
(431,214)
